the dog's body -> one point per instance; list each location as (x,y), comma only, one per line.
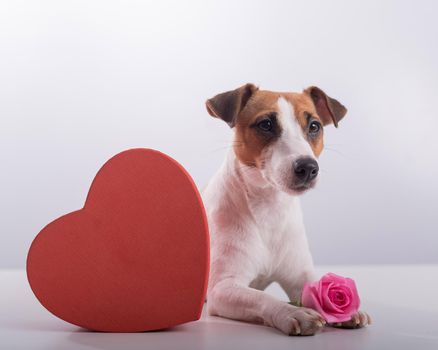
(253,209)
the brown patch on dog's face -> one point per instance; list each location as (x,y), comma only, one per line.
(251,137)
(307,117)
(251,140)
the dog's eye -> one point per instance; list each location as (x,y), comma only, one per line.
(265,125)
(314,128)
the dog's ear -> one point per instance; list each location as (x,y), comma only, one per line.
(328,109)
(228,105)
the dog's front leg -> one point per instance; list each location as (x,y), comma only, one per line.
(231,299)
(293,284)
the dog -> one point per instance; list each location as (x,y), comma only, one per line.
(253,209)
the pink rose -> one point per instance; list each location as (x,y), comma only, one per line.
(334,297)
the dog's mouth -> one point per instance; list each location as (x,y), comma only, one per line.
(301,188)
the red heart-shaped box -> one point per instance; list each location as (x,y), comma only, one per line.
(135,257)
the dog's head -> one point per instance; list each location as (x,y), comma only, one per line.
(279,133)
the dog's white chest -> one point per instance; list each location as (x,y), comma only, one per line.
(278,227)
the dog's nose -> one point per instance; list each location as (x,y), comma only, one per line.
(306,169)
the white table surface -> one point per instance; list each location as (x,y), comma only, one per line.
(402,300)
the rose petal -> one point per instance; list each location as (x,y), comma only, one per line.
(320,288)
(328,305)
(339,297)
(334,318)
(333,278)
(355,299)
(309,298)
(348,297)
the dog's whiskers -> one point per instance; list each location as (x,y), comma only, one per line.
(335,151)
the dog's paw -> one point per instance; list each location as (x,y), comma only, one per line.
(293,320)
(358,320)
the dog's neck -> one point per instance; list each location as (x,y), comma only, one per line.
(253,190)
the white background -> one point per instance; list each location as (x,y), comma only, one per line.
(83,80)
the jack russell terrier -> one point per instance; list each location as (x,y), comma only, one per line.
(253,209)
